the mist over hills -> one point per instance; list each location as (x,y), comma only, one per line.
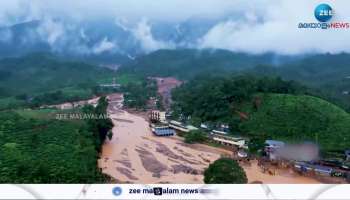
(255,37)
(108,40)
(131,28)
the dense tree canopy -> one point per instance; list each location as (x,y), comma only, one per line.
(38,79)
(263,108)
(225,170)
(195,136)
(137,94)
(99,127)
(215,98)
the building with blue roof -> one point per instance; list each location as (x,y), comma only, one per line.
(306,167)
(163,131)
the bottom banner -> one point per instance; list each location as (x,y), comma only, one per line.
(173,191)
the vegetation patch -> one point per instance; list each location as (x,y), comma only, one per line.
(264,108)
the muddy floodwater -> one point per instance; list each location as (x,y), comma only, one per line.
(135,155)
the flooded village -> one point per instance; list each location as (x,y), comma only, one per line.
(148,147)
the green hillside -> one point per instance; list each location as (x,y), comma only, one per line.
(269,108)
(35,147)
(299,118)
(39,73)
(38,79)
(329,73)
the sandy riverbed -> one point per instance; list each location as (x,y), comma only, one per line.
(135,155)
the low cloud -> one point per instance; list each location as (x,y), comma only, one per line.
(51,31)
(277,31)
(143,34)
(103,46)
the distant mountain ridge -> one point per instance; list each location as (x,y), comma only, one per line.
(329,73)
(187,63)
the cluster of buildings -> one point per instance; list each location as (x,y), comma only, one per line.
(161,126)
(306,158)
(111,85)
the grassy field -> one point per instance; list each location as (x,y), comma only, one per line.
(126,78)
(37,113)
(10,102)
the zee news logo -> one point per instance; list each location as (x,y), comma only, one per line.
(324,13)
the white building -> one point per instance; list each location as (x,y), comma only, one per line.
(228,140)
(158,116)
(181,127)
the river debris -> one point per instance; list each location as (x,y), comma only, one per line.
(125,152)
(183,152)
(185,169)
(123,120)
(126,163)
(163,149)
(126,172)
(204,159)
(150,163)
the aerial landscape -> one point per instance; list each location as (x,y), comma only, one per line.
(114,93)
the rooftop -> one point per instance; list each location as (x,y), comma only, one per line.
(347,152)
(164,131)
(275,143)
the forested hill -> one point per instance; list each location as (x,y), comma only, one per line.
(314,70)
(186,63)
(328,73)
(38,73)
(267,108)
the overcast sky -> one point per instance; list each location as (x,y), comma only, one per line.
(254,26)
